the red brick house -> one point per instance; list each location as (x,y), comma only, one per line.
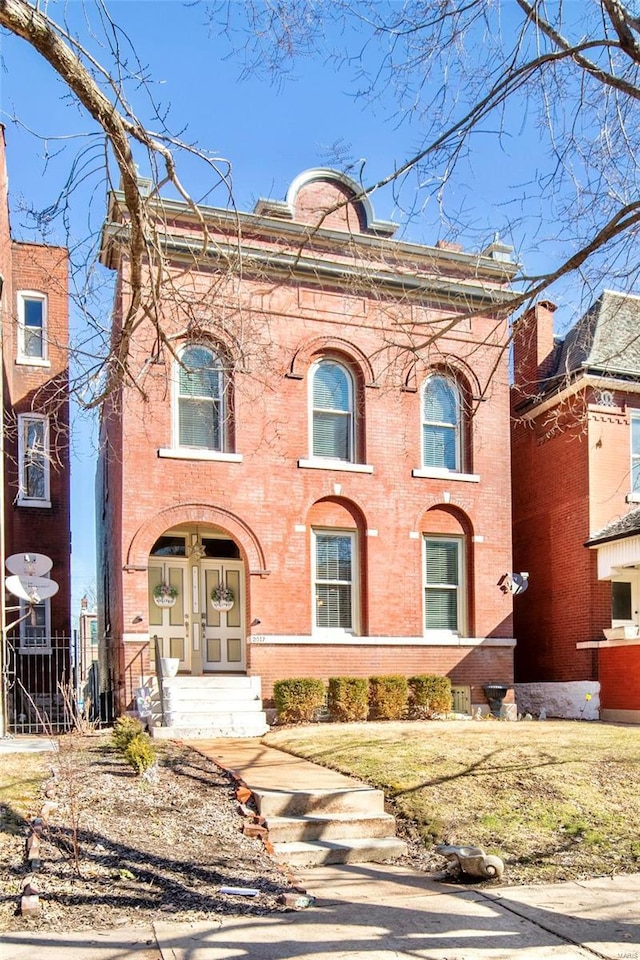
(303,439)
(576,478)
(35,464)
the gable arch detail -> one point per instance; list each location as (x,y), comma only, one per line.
(303,357)
(147,534)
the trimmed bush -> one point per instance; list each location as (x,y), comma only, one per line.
(348,698)
(388,697)
(124,730)
(139,753)
(429,694)
(298,700)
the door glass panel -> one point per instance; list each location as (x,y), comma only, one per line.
(213,650)
(234,650)
(233,582)
(155,613)
(176,612)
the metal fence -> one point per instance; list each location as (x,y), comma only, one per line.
(37,673)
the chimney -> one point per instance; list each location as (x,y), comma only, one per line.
(533,349)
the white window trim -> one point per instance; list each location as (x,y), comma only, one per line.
(313,457)
(22,358)
(195,453)
(23,500)
(31,648)
(634,495)
(459,446)
(337,632)
(325,463)
(632,577)
(461,591)
(438,473)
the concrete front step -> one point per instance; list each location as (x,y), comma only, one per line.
(183,704)
(221,681)
(336,826)
(300,803)
(254,725)
(348,850)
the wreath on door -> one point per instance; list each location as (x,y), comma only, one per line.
(222,597)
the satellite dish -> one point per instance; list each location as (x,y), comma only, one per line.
(29,564)
(31,589)
(520,582)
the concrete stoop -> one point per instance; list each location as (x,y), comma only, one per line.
(204,707)
(317,827)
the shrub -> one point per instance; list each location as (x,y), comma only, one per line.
(429,694)
(298,700)
(388,697)
(124,730)
(139,753)
(348,698)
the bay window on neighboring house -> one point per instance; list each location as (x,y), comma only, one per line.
(35,627)
(635,455)
(32,327)
(332,412)
(335,588)
(442,424)
(33,460)
(444,584)
(201,401)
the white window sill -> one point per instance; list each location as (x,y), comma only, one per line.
(40,504)
(32,362)
(33,649)
(187,453)
(633,497)
(318,463)
(433,473)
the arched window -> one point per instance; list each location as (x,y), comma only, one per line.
(332,411)
(201,411)
(441,424)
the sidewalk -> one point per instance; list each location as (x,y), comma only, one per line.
(373,911)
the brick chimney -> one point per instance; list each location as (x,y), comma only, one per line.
(533,350)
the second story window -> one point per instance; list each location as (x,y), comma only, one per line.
(33,460)
(32,326)
(332,412)
(201,399)
(441,427)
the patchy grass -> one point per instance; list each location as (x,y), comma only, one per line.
(556,800)
(21,777)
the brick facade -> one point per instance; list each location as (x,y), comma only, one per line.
(339,292)
(571,454)
(41,388)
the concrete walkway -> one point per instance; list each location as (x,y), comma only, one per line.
(374,911)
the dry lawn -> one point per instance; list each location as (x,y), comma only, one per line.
(557,800)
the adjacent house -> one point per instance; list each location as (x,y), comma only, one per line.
(310,475)
(576,484)
(34,469)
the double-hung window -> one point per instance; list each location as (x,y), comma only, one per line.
(443,584)
(35,627)
(332,412)
(32,327)
(201,400)
(441,425)
(33,460)
(335,593)
(635,452)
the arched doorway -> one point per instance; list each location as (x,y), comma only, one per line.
(186,565)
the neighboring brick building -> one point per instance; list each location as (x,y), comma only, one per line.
(299,438)
(35,462)
(576,476)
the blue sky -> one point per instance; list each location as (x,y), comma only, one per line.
(268,131)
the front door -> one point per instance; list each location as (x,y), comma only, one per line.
(169,609)
(223,635)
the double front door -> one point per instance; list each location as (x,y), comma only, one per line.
(183,618)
